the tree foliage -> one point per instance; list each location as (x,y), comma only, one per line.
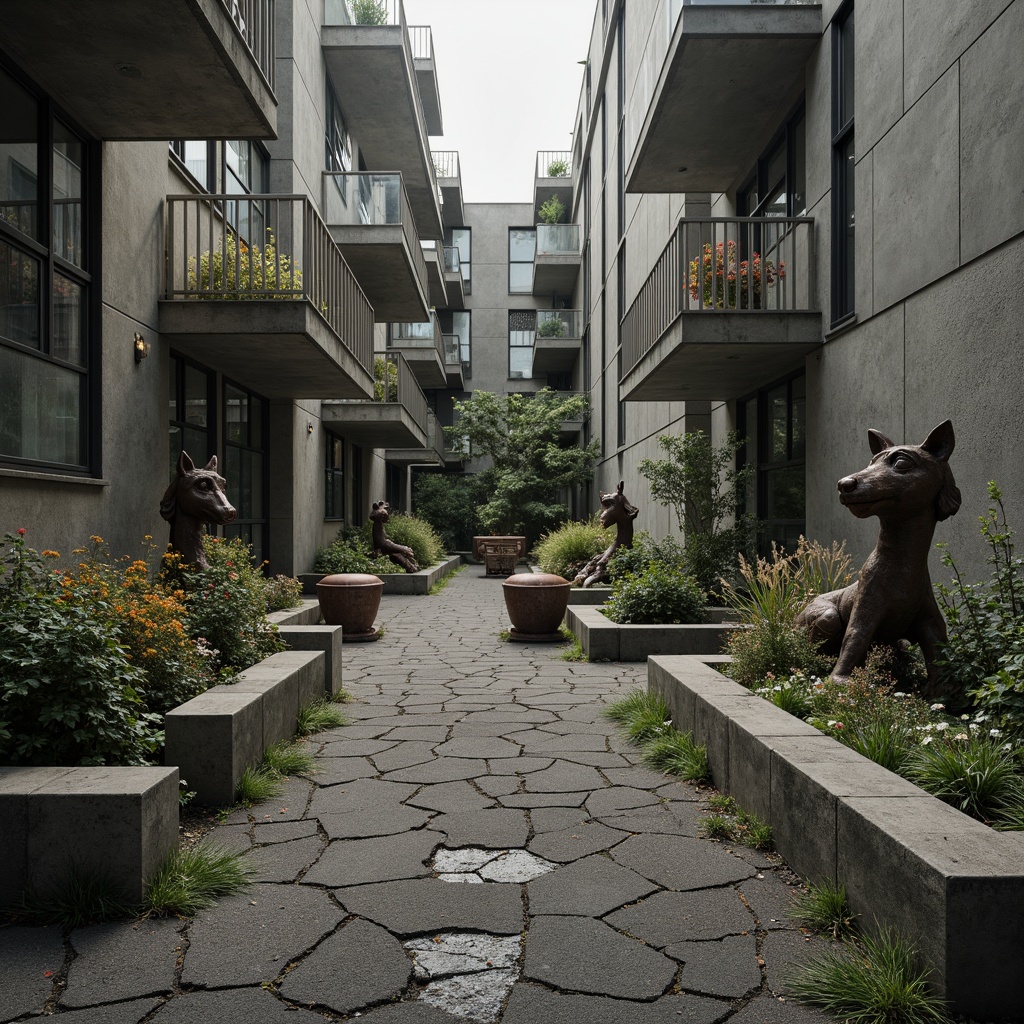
(530,471)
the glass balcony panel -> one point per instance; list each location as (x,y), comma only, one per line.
(558,323)
(362,199)
(558,239)
(452,261)
(363,12)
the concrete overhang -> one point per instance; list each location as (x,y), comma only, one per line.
(424,360)
(555,273)
(545,187)
(454,377)
(571,430)
(277,348)
(141,71)
(455,288)
(731,74)
(722,355)
(555,355)
(430,94)
(371,67)
(436,278)
(392,275)
(375,424)
(453,210)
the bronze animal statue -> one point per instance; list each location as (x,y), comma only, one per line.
(398,553)
(615,511)
(910,488)
(195,497)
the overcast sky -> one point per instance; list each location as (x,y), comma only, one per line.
(509,79)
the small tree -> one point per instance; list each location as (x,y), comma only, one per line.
(551,210)
(530,470)
(700,482)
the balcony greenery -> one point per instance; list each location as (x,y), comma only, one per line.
(551,327)
(551,211)
(558,169)
(244,271)
(369,12)
(385,380)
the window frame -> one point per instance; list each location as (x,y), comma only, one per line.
(233,529)
(331,475)
(521,263)
(843,153)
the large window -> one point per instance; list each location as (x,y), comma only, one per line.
(459,322)
(48,203)
(191,413)
(334,482)
(338,143)
(522,245)
(198,157)
(843,154)
(246,173)
(777,186)
(462,239)
(245,462)
(522,331)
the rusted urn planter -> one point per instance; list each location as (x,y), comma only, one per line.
(351,600)
(536,604)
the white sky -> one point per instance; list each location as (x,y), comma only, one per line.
(509,82)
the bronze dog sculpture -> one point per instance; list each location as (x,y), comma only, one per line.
(195,497)
(910,488)
(398,553)
(615,510)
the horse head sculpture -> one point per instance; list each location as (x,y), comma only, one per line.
(195,497)
(618,512)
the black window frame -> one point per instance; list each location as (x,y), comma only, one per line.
(532,230)
(234,529)
(843,279)
(177,151)
(178,420)
(332,475)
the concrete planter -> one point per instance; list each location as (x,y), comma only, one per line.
(418,583)
(602,639)
(908,861)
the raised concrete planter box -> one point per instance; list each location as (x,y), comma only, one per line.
(952,886)
(122,822)
(602,639)
(397,582)
(306,614)
(214,737)
(327,639)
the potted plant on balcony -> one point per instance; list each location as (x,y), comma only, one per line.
(241,270)
(718,279)
(558,169)
(551,211)
(551,327)
(369,12)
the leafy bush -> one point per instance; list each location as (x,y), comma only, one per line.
(568,549)
(239,272)
(644,552)
(552,210)
(659,595)
(68,693)
(385,380)
(769,649)
(369,12)
(281,592)
(984,654)
(558,168)
(418,534)
(348,552)
(449,503)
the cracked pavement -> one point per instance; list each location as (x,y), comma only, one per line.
(477,845)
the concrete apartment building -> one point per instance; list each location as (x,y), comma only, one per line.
(863,154)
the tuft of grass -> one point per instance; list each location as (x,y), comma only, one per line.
(875,981)
(717,826)
(732,823)
(886,743)
(635,704)
(343,697)
(258,783)
(81,897)
(676,753)
(319,715)
(574,651)
(504,635)
(825,909)
(445,580)
(288,758)
(649,724)
(723,803)
(753,832)
(191,880)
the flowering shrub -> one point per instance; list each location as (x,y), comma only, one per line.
(718,279)
(239,270)
(281,592)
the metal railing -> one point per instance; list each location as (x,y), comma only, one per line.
(559,323)
(421,335)
(402,388)
(558,240)
(363,12)
(552,163)
(231,247)
(254,22)
(452,260)
(748,265)
(446,162)
(422,42)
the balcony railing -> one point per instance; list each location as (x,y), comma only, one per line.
(452,350)
(554,163)
(559,323)
(232,247)
(743,266)
(452,261)
(374,12)
(446,162)
(422,335)
(558,239)
(254,22)
(422,42)
(401,386)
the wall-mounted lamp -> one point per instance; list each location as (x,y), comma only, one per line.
(141,348)
(309,427)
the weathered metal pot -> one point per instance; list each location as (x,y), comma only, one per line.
(536,604)
(351,600)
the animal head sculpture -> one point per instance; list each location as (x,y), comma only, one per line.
(195,497)
(618,512)
(381,511)
(615,508)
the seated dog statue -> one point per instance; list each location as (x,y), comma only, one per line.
(398,553)
(910,488)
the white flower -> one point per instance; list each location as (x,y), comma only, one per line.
(995,733)
(965,718)
(899,693)
(937,707)
(927,740)
(960,736)
(942,726)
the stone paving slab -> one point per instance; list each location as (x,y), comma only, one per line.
(359,861)
(284,862)
(252,1005)
(493,828)
(678,862)
(591,887)
(531,1004)
(727,968)
(29,958)
(669,917)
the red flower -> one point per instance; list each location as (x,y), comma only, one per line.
(22,531)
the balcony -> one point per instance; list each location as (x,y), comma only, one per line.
(730,306)
(126,70)
(369,216)
(449,180)
(453,362)
(374,70)
(433,256)
(257,289)
(557,344)
(455,285)
(422,41)
(432,454)
(422,344)
(556,263)
(732,72)
(396,417)
(553,177)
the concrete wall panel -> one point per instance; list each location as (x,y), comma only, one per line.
(878,42)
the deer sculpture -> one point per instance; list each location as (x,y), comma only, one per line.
(398,553)
(618,512)
(194,498)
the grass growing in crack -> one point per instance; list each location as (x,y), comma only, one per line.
(258,783)
(873,981)
(319,715)
(81,897)
(825,909)
(574,651)
(676,753)
(288,758)
(636,703)
(191,880)
(443,582)
(735,825)
(505,635)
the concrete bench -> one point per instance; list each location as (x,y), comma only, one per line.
(120,822)
(327,639)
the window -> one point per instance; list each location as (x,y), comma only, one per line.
(620,309)
(462,239)
(777,185)
(522,329)
(190,414)
(338,143)
(334,484)
(774,425)
(522,244)
(48,202)
(462,326)
(245,458)
(246,173)
(843,154)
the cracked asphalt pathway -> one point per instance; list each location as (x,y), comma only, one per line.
(477,845)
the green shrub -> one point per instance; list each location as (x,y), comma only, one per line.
(566,550)
(281,592)
(558,168)
(347,553)
(644,552)
(659,596)
(369,12)
(418,534)
(772,649)
(552,210)
(449,503)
